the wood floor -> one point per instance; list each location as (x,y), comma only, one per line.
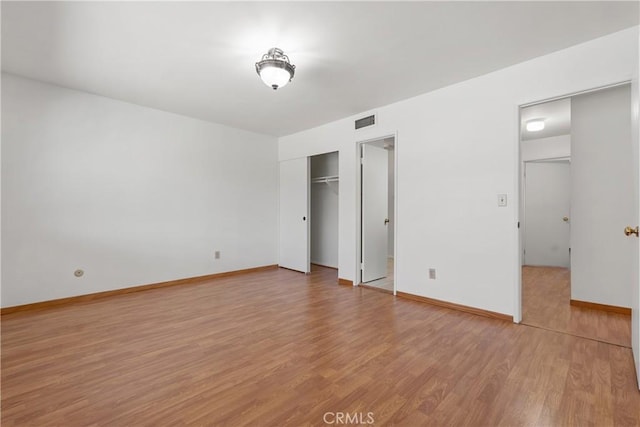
(279,348)
(546,294)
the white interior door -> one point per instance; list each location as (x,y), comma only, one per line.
(635,280)
(547,213)
(603,259)
(374,212)
(294,214)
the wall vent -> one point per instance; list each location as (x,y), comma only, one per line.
(366,121)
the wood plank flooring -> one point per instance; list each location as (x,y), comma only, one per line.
(279,348)
(545,303)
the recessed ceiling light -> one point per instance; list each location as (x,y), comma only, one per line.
(535,125)
(274,69)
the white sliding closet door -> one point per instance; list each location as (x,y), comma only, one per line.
(294,214)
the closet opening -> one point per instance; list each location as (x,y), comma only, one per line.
(323,214)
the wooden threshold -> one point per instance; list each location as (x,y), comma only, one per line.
(345,282)
(602,307)
(459,307)
(98,295)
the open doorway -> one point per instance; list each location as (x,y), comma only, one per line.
(377,214)
(576,172)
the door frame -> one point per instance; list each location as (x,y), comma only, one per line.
(519,235)
(358,242)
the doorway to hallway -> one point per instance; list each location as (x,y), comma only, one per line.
(377,214)
(577,264)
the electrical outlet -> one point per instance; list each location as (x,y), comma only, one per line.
(217,255)
(432,273)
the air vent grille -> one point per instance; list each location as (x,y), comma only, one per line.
(366,121)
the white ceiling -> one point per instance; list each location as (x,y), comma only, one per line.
(556,116)
(197,58)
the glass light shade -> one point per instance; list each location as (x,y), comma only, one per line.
(274,69)
(274,77)
(535,125)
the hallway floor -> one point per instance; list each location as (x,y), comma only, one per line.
(384,284)
(546,292)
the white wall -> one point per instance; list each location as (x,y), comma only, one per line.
(457,148)
(546,148)
(602,201)
(391,194)
(130,194)
(324,211)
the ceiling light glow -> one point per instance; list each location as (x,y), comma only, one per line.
(535,125)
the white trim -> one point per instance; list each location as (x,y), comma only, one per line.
(571,95)
(519,220)
(395,213)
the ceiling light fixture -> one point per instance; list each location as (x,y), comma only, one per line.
(274,69)
(535,125)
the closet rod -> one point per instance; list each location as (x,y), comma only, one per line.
(325,179)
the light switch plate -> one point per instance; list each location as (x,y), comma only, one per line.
(502,200)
